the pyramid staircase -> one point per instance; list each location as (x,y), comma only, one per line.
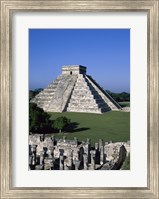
(85,98)
(75,93)
(56,95)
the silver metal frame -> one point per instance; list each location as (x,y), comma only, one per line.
(8,7)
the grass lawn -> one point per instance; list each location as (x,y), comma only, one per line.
(124,104)
(114,126)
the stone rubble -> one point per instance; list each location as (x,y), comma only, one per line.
(50,153)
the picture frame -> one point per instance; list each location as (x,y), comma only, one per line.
(8,7)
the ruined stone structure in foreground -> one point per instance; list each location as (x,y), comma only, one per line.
(75,91)
(61,154)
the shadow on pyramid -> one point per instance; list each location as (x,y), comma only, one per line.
(75,91)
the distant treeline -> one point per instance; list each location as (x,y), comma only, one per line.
(119,97)
(32,93)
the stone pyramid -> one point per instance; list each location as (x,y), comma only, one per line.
(75,91)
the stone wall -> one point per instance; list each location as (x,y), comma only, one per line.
(73,70)
(63,154)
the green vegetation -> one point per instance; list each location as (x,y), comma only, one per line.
(33,93)
(114,126)
(119,97)
(60,123)
(126,164)
(39,121)
(124,104)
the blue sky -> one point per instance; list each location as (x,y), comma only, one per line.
(105,53)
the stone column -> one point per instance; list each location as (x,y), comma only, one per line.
(77,164)
(92,152)
(85,161)
(69,164)
(33,151)
(41,157)
(65,165)
(88,141)
(75,154)
(61,162)
(50,152)
(102,155)
(69,152)
(33,159)
(96,146)
(87,148)
(33,148)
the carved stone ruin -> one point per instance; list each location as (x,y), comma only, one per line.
(63,154)
(75,91)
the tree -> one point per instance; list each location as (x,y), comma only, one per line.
(119,97)
(38,119)
(32,93)
(60,123)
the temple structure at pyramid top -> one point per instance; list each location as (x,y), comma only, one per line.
(75,91)
(73,70)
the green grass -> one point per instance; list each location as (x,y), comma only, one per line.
(124,104)
(114,126)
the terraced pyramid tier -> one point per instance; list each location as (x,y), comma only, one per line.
(74,91)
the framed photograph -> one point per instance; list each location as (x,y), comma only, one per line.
(79,99)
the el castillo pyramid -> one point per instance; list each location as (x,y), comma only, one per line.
(75,91)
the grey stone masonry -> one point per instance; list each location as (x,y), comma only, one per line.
(84,98)
(62,94)
(75,91)
(43,99)
(73,70)
(104,95)
(67,154)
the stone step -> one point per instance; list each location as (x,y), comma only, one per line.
(42,102)
(44,97)
(71,93)
(62,94)
(81,87)
(106,97)
(88,104)
(85,98)
(49,90)
(41,97)
(80,105)
(85,110)
(81,92)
